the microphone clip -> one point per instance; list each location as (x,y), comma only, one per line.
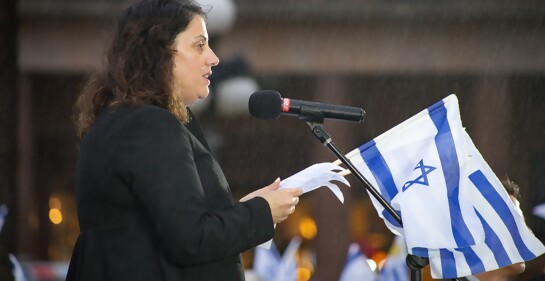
(311,114)
(318,130)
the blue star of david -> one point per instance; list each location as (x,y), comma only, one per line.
(422,179)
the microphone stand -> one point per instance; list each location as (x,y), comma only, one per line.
(314,118)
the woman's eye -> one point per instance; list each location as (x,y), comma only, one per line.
(200,45)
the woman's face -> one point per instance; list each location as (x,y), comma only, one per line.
(193,61)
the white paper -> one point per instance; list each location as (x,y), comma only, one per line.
(311,178)
(316,176)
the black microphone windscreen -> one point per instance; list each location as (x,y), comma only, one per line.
(265,104)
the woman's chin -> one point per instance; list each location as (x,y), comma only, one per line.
(197,98)
(203,95)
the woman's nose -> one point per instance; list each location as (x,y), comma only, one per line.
(213,60)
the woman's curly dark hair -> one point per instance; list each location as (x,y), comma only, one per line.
(139,62)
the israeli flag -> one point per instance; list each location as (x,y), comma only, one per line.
(454,209)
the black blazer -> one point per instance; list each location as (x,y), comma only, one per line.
(153,204)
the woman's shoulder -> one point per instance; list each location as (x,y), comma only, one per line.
(145,111)
(140,113)
(141,119)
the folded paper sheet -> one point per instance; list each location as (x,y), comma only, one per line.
(316,176)
(313,177)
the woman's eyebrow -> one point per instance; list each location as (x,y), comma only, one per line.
(201,37)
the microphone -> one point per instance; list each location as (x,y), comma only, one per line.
(269,104)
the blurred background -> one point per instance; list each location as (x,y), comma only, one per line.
(391,57)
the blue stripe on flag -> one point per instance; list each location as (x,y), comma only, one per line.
(501,208)
(383,176)
(378,166)
(494,243)
(451,171)
(473,261)
(420,252)
(387,216)
(448,264)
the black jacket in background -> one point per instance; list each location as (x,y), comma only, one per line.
(153,204)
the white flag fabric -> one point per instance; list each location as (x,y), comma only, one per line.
(395,268)
(357,267)
(454,209)
(269,266)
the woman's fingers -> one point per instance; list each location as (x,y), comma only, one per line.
(282,202)
(296,191)
(273,186)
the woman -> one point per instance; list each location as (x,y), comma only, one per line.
(153,204)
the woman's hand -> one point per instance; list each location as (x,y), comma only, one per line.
(281,201)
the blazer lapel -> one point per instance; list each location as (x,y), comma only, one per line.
(195,128)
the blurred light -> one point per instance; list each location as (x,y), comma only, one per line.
(359,220)
(233,95)
(372,264)
(303,274)
(220,16)
(381,263)
(379,256)
(307,228)
(55,216)
(378,240)
(54,203)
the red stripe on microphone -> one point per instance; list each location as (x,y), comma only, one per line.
(286,104)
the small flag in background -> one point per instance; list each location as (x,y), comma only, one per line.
(269,266)
(266,262)
(3,214)
(539,210)
(395,268)
(357,267)
(454,209)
